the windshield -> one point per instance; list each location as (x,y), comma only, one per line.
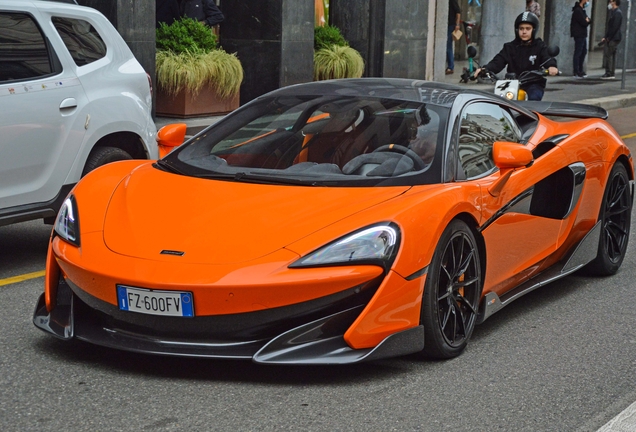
(320,140)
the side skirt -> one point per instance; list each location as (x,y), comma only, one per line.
(580,255)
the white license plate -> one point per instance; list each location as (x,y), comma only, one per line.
(153,302)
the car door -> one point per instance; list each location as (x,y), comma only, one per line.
(42,110)
(518,228)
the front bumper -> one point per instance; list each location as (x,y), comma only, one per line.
(307,333)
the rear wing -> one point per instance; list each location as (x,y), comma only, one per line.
(565,109)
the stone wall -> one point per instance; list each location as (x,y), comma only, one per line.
(274,40)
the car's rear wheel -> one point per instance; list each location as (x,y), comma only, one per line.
(451,294)
(103,155)
(615,218)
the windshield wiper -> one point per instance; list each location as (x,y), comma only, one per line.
(262,179)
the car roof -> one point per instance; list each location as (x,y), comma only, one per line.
(393,88)
(43,4)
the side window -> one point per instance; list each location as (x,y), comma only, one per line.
(23,51)
(81,39)
(481,125)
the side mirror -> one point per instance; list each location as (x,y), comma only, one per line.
(511,155)
(471,51)
(553,50)
(507,157)
(170,136)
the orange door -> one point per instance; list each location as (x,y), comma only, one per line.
(521,225)
(519,229)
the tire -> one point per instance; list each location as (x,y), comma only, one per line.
(103,155)
(615,217)
(451,294)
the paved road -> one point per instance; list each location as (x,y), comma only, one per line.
(561,358)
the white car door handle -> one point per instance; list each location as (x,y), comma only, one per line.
(68,103)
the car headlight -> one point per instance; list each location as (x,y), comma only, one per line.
(376,244)
(67,222)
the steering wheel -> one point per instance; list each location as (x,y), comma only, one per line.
(418,163)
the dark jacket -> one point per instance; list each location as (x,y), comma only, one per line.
(579,23)
(521,57)
(613,31)
(453,10)
(202,10)
(167,11)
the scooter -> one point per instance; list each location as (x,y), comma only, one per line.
(511,86)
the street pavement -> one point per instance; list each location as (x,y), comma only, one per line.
(592,90)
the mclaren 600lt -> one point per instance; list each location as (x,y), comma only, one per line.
(338,222)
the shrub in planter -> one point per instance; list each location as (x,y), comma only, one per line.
(337,62)
(325,36)
(333,57)
(194,75)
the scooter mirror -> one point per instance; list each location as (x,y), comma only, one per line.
(471,51)
(553,50)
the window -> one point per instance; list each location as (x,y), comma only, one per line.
(81,39)
(481,125)
(23,51)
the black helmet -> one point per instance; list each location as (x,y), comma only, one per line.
(530,18)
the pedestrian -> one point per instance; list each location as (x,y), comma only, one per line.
(205,11)
(454,18)
(534,7)
(526,52)
(578,30)
(612,38)
(166,11)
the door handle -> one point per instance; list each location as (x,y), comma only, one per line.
(68,103)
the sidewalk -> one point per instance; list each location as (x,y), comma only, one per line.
(591,90)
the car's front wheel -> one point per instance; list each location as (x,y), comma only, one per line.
(103,155)
(615,218)
(451,294)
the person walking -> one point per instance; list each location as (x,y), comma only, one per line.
(205,11)
(612,38)
(454,18)
(534,7)
(578,30)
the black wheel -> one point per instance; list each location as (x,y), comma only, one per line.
(395,148)
(452,292)
(103,155)
(615,217)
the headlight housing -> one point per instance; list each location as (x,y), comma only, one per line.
(376,244)
(67,222)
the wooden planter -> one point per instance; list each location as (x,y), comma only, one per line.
(184,105)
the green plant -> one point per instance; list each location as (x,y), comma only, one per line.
(337,61)
(326,36)
(188,58)
(184,35)
(194,70)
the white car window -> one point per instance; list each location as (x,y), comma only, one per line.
(23,51)
(81,39)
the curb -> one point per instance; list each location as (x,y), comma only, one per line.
(612,102)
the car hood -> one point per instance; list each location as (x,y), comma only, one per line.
(222,222)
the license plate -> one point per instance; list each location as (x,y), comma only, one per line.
(154,302)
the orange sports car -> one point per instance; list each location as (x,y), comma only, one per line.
(338,222)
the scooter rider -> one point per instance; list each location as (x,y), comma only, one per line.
(524,53)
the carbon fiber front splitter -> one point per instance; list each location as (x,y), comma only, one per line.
(319,341)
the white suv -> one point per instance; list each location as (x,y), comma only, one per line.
(72,97)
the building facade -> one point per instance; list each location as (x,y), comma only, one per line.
(397,38)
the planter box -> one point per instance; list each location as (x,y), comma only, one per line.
(184,105)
